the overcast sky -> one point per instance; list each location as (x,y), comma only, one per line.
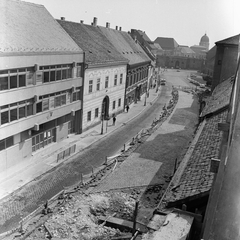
(184,20)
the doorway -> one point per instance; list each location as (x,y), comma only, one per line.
(105,108)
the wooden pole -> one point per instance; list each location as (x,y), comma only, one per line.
(135,217)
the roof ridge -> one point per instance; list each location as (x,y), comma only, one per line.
(28,3)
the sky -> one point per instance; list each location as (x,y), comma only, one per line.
(184,20)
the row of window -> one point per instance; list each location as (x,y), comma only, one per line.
(15,111)
(90,86)
(21,77)
(18,110)
(136,77)
(96,112)
(16,78)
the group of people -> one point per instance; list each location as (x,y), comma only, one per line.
(114,115)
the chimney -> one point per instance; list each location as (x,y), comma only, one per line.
(107,25)
(116,27)
(120,28)
(63,18)
(94,21)
(81,21)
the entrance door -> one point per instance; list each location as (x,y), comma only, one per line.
(105,108)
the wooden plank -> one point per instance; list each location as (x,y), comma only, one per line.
(124,223)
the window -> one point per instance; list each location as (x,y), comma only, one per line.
(90,88)
(22,80)
(13,82)
(43,139)
(4,83)
(96,112)
(106,82)
(114,104)
(6,143)
(121,78)
(77,94)
(115,79)
(4,117)
(89,116)
(13,115)
(119,102)
(98,84)
(56,72)
(78,70)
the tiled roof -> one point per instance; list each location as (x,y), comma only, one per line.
(197,178)
(186,50)
(124,44)
(231,40)
(220,97)
(98,49)
(27,27)
(166,43)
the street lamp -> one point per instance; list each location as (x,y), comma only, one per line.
(145,97)
(102,124)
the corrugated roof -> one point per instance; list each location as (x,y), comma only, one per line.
(27,27)
(231,40)
(98,49)
(220,97)
(197,178)
(124,43)
(166,43)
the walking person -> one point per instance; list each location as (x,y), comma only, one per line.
(127,108)
(114,119)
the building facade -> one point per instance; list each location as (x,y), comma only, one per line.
(225,64)
(40,82)
(138,68)
(104,76)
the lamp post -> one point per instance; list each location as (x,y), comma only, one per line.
(102,124)
(103,111)
(145,101)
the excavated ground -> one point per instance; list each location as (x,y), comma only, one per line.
(75,213)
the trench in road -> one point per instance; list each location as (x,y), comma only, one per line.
(69,173)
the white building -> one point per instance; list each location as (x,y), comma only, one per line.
(40,82)
(105,73)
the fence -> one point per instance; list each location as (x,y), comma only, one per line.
(66,153)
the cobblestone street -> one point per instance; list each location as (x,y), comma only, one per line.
(29,197)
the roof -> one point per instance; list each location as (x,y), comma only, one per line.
(27,27)
(196,179)
(124,44)
(220,97)
(186,50)
(231,40)
(98,49)
(204,39)
(158,46)
(211,53)
(166,43)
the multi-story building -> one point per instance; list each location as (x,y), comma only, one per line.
(138,68)
(40,82)
(225,63)
(105,73)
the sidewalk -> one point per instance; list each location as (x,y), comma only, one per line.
(44,160)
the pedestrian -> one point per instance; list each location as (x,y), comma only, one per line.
(127,108)
(114,119)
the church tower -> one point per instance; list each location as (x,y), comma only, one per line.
(204,41)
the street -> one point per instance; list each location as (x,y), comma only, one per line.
(29,197)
